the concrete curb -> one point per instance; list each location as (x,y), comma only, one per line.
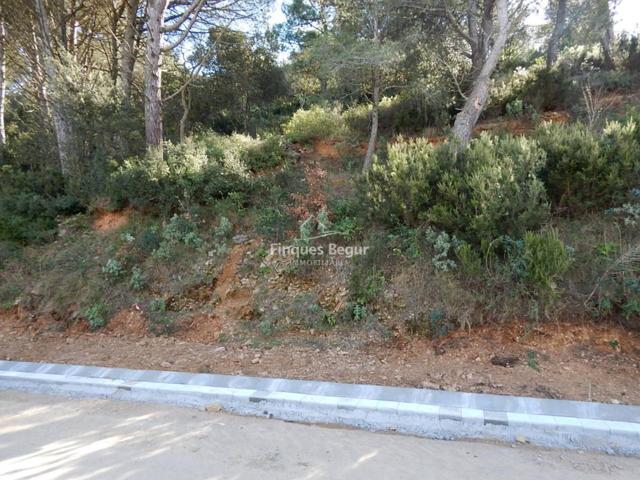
(426,413)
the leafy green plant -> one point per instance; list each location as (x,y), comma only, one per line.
(486,191)
(443,246)
(546,259)
(113,269)
(137,281)
(224,228)
(96,316)
(161,321)
(433,323)
(315,123)
(515,108)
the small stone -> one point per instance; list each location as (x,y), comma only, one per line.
(240,239)
(214,407)
(165,365)
(255,361)
(615,401)
(219,349)
(521,440)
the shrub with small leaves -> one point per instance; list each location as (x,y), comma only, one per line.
(224,228)
(113,269)
(443,245)
(96,315)
(137,281)
(316,123)
(546,259)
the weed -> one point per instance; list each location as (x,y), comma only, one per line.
(96,315)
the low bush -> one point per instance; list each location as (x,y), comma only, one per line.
(315,123)
(30,203)
(546,259)
(584,171)
(489,190)
(188,173)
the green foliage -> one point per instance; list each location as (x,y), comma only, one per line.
(137,281)
(432,324)
(113,269)
(30,203)
(546,259)
(188,173)
(515,108)
(161,321)
(443,246)
(367,280)
(584,171)
(224,228)
(179,230)
(96,315)
(316,123)
(271,222)
(486,191)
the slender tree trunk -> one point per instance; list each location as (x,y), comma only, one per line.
(557,33)
(185,100)
(61,126)
(3,82)
(467,118)
(153,74)
(375,111)
(375,114)
(128,57)
(608,37)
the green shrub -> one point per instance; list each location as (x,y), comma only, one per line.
(179,230)
(30,203)
(488,190)
(137,281)
(316,123)
(113,269)
(188,173)
(546,259)
(585,172)
(432,324)
(96,315)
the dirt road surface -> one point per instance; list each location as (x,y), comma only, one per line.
(44,437)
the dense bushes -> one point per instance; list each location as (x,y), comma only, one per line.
(584,171)
(315,123)
(29,204)
(491,189)
(499,185)
(198,171)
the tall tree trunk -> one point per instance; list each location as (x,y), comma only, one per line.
(153,74)
(608,36)
(557,33)
(128,57)
(3,82)
(375,111)
(60,124)
(375,114)
(468,117)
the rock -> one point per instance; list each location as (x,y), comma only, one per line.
(506,361)
(615,401)
(240,239)
(166,365)
(219,349)
(214,407)
(255,361)
(521,440)
(439,350)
